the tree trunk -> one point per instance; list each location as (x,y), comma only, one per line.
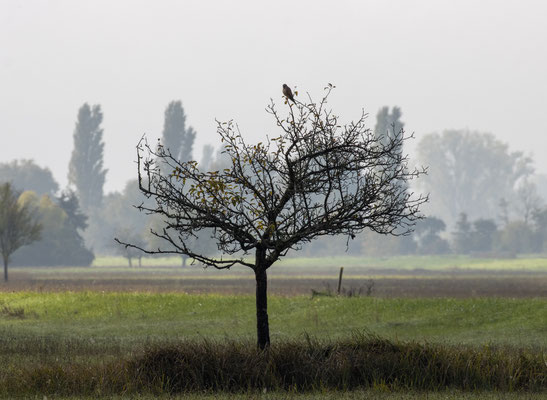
(5,269)
(262,325)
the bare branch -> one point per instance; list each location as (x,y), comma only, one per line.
(319,177)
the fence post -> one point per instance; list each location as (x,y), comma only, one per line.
(340,280)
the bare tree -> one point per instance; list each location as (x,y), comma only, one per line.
(18,226)
(528,200)
(316,178)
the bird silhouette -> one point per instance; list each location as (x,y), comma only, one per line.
(288,93)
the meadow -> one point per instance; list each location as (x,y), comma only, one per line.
(96,331)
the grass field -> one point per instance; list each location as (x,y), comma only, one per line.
(430,263)
(129,317)
(48,336)
(53,320)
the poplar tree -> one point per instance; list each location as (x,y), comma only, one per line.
(176,137)
(388,124)
(86,170)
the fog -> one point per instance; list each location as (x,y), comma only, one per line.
(466,64)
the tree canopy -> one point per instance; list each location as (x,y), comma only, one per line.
(18,225)
(318,177)
(27,175)
(469,172)
(61,243)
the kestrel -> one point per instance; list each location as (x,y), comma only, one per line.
(288,93)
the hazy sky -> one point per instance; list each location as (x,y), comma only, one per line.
(449,64)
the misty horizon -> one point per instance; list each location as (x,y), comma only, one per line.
(448,66)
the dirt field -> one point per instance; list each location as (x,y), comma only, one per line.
(384,283)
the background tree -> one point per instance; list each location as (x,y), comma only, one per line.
(18,226)
(117,215)
(176,137)
(469,172)
(463,235)
(517,238)
(388,127)
(207,157)
(129,252)
(539,218)
(378,245)
(528,201)
(317,178)
(68,201)
(388,124)
(61,243)
(201,242)
(540,182)
(26,175)
(484,234)
(503,211)
(85,170)
(427,234)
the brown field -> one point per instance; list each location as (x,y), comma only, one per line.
(379,283)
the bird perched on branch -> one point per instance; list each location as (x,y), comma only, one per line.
(288,93)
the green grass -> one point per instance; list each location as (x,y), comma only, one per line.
(533,263)
(118,261)
(78,337)
(133,317)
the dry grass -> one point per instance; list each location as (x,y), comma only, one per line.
(362,362)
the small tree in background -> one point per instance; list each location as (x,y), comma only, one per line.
(463,235)
(484,234)
(539,218)
(518,237)
(316,178)
(62,245)
(130,253)
(18,226)
(85,170)
(428,236)
(528,200)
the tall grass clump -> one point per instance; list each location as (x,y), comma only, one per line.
(363,361)
(360,362)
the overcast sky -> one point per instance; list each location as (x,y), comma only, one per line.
(448,64)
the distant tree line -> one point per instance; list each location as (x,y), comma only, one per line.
(59,216)
(481,237)
(81,220)
(483,199)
